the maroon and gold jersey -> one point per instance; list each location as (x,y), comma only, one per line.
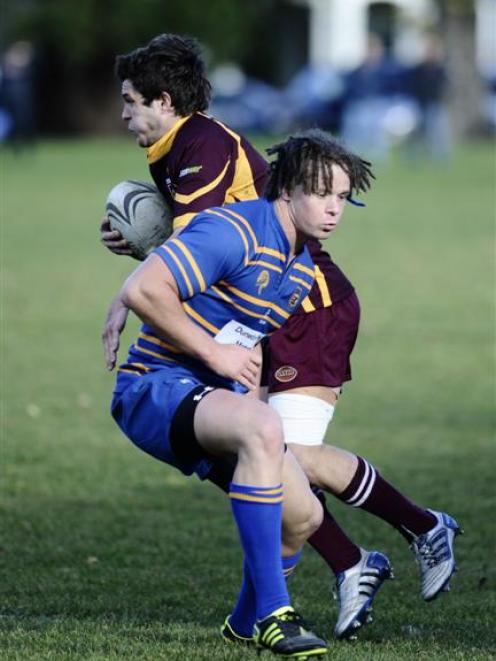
(331,285)
(202,163)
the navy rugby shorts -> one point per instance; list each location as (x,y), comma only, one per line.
(156,410)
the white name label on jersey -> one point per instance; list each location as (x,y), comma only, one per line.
(235,333)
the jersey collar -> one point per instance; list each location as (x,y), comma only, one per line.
(164,144)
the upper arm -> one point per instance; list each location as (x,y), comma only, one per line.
(207,251)
(202,177)
(148,279)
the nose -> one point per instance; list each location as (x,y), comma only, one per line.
(125,114)
(333,206)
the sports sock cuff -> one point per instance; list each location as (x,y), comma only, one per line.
(290,562)
(362,483)
(268,495)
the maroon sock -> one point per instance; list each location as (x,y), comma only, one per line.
(370,491)
(331,542)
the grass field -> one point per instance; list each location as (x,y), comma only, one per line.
(107,554)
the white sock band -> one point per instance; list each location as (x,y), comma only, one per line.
(305,419)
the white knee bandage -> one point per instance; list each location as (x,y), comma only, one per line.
(305,419)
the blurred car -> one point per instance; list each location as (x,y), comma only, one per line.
(247,104)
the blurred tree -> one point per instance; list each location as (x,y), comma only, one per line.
(77,43)
(77,40)
(458,29)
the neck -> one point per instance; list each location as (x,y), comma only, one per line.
(296,239)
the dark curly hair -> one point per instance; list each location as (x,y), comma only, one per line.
(307,158)
(168,63)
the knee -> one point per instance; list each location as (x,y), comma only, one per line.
(315,518)
(266,437)
(298,528)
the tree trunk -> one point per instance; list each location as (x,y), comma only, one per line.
(466,87)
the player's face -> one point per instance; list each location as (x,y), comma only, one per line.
(317,215)
(148,122)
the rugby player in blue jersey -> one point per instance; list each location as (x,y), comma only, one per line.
(198,162)
(207,297)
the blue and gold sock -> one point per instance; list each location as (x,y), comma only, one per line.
(258,513)
(289,563)
(244,616)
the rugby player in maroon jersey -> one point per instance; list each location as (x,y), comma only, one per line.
(197,162)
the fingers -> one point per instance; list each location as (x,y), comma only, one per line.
(110,341)
(116,245)
(105,224)
(112,239)
(249,376)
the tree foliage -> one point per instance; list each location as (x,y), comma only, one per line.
(84,31)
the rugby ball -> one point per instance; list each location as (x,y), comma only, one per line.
(141,214)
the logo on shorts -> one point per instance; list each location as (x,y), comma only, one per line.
(262,281)
(286,373)
(295,297)
(201,395)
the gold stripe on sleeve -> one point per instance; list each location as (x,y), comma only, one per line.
(267,251)
(301,282)
(305,269)
(181,268)
(238,229)
(192,262)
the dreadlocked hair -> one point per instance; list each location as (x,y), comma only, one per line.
(307,158)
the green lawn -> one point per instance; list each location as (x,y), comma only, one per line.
(107,554)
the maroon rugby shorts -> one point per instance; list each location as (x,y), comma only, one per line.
(313,349)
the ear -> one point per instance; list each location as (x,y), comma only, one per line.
(166,102)
(285,195)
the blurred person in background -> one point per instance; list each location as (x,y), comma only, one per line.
(427,83)
(367,97)
(197,162)
(17,94)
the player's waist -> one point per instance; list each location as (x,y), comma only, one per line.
(132,370)
(150,353)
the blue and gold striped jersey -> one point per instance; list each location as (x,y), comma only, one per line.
(203,163)
(230,264)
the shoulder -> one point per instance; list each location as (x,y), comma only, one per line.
(201,129)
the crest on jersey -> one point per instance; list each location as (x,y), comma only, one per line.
(294,299)
(262,281)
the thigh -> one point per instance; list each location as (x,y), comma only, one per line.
(145,410)
(225,420)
